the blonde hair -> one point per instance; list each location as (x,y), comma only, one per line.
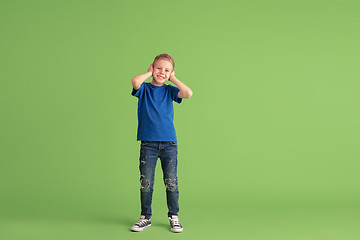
(166,57)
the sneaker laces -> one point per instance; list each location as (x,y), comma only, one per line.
(141,222)
(175,222)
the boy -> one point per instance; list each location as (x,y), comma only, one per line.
(157,135)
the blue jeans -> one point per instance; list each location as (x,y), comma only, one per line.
(149,153)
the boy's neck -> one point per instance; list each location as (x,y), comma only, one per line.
(156,84)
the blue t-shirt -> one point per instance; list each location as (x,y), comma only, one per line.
(156,112)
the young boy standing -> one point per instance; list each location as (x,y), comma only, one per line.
(157,135)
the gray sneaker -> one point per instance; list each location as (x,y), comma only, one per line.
(141,224)
(175,224)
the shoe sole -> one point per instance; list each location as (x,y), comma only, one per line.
(176,230)
(139,229)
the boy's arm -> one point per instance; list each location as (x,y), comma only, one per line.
(185,91)
(139,79)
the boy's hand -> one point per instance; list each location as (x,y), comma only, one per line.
(172,75)
(151,68)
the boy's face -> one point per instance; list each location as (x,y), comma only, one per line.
(161,72)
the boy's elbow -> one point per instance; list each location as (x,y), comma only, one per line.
(190,94)
(135,84)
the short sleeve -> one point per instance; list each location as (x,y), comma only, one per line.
(137,93)
(174,91)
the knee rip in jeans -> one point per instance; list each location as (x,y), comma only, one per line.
(145,184)
(170,184)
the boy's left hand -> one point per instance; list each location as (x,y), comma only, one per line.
(172,75)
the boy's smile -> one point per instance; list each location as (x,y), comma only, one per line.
(161,72)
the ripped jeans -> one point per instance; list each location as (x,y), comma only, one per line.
(149,153)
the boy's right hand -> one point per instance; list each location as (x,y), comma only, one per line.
(151,68)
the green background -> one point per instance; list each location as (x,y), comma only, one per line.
(268,143)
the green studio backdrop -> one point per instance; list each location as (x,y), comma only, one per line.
(268,143)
